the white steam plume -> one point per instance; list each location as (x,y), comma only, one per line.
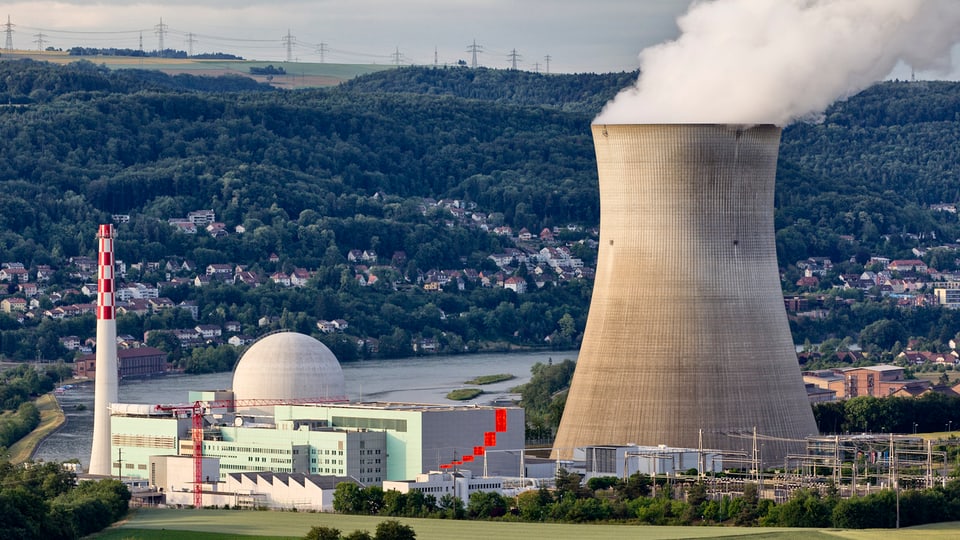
(776,61)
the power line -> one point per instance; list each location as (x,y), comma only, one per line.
(513,56)
(160,30)
(474,48)
(8,29)
(288,40)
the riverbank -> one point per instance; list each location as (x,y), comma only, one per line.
(51,418)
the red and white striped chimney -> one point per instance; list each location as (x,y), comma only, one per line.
(106,389)
(105,291)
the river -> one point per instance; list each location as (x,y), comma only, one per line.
(420,380)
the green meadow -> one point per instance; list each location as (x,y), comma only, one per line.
(170,524)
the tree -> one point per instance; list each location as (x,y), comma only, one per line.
(486,504)
(348,498)
(394,530)
(319,532)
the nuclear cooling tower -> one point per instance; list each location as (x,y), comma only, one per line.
(687,329)
(105,390)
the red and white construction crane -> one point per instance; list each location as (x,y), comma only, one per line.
(198,409)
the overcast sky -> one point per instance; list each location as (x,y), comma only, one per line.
(578,35)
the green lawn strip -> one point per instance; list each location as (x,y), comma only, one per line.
(274,525)
(463,394)
(51,418)
(490,379)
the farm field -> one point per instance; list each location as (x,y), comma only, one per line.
(144,524)
(299,74)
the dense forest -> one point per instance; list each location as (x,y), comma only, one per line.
(45,502)
(313,174)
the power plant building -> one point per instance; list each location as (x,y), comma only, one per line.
(687,342)
(287,414)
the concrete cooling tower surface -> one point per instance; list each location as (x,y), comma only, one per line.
(687,331)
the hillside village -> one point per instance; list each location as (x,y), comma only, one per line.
(69,290)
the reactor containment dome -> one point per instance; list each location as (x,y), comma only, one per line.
(288,365)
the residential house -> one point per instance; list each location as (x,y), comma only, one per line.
(191,307)
(240,340)
(220,271)
(299,277)
(209,331)
(13,304)
(327,327)
(201,218)
(44,273)
(515,284)
(29,289)
(14,275)
(280,279)
(160,304)
(247,278)
(907,265)
(183,226)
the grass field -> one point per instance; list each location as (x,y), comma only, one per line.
(490,379)
(299,74)
(150,524)
(463,394)
(51,418)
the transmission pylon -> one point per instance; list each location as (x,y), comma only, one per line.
(513,56)
(288,41)
(547,58)
(39,40)
(322,49)
(435,59)
(161,30)
(190,42)
(474,49)
(396,57)
(8,29)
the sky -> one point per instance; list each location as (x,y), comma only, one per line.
(578,35)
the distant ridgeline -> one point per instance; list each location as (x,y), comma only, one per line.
(166,53)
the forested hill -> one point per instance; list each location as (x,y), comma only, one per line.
(311,175)
(29,81)
(871,169)
(515,143)
(578,92)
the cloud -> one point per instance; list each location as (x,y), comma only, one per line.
(776,61)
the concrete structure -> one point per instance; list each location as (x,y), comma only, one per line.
(173,476)
(371,442)
(687,262)
(624,461)
(288,365)
(460,484)
(106,389)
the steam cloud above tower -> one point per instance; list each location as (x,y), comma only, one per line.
(777,61)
